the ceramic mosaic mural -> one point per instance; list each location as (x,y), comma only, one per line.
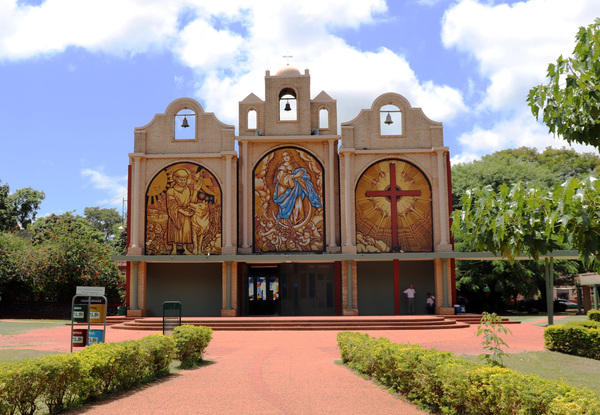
(288,202)
(393,209)
(183,212)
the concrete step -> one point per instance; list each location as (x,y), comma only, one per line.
(304,323)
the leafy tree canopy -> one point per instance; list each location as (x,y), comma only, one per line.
(103,220)
(119,242)
(523,165)
(26,203)
(7,218)
(530,221)
(19,208)
(63,252)
(570,102)
(517,219)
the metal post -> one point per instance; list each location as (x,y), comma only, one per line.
(549,274)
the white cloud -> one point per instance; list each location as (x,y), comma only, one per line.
(112,26)
(512,45)
(370,74)
(112,189)
(230,62)
(203,47)
(521,131)
(463,158)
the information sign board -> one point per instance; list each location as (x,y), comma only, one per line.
(90,291)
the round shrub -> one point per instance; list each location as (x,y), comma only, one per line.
(191,343)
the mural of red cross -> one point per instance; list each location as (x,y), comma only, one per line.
(393,193)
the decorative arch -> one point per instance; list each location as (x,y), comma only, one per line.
(183,211)
(393,208)
(289,202)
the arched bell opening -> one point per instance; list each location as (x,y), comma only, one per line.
(185,125)
(288,105)
(390,120)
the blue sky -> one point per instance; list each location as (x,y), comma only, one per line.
(77,76)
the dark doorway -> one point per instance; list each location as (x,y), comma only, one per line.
(290,290)
(263,290)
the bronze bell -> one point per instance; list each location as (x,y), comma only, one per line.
(287,106)
(185,123)
(388,119)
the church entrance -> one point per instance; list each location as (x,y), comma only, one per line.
(289,290)
(263,290)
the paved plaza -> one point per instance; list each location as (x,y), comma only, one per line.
(272,372)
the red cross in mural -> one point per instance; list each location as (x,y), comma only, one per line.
(393,193)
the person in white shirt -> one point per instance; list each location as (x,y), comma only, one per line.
(410,295)
(430,304)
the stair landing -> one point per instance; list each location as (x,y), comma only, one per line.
(426,322)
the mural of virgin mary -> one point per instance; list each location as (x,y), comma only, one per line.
(292,185)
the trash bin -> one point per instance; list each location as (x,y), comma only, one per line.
(171,316)
(95,337)
(459,308)
(79,338)
(80,313)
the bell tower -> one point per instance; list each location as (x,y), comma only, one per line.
(287,97)
(288,129)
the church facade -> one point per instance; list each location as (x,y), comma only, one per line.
(296,219)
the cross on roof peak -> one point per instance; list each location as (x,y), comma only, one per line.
(288,56)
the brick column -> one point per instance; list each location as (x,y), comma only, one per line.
(349,286)
(229,283)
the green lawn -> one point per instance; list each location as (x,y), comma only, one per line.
(12,355)
(577,371)
(8,327)
(559,319)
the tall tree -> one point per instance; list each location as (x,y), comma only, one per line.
(7,218)
(26,203)
(533,222)
(67,251)
(570,102)
(523,165)
(103,220)
(19,208)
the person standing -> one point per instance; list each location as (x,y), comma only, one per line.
(430,304)
(410,295)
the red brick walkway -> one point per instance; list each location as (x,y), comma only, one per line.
(267,372)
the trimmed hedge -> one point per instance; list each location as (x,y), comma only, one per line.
(579,338)
(191,343)
(594,315)
(53,383)
(439,381)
